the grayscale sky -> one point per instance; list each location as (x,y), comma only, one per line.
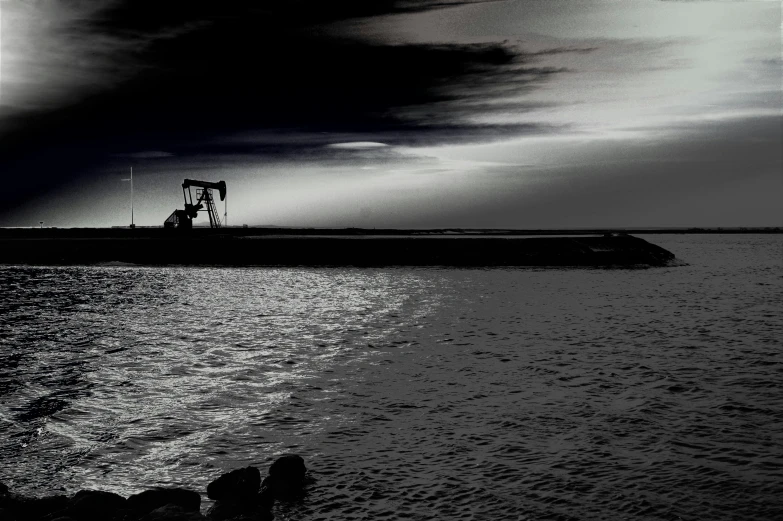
(505,114)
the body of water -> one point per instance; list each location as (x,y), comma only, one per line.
(419,393)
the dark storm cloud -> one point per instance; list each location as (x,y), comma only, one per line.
(200,72)
(144,16)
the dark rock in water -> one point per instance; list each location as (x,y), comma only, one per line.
(265,499)
(240,485)
(97,505)
(22,508)
(237,495)
(240,496)
(8,501)
(149,500)
(258,509)
(289,467)
(266,516)
(222,511)
(173,513)
(286,476)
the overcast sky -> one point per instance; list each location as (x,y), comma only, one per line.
(505,114)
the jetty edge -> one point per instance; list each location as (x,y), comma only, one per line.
(321,247)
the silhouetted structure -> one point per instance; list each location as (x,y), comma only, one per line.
(183,219)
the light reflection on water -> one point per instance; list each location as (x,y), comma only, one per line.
(430,392)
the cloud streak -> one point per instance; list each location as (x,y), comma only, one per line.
(196,73)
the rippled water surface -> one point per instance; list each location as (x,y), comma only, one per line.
(498,394)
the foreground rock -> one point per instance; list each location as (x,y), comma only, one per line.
(239,485)
(173,513)
(16,507)
(240,495)
(154,499)
(94,505)
(286,476)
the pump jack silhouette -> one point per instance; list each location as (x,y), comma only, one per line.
(205,202)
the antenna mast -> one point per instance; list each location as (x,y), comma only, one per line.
(131,183)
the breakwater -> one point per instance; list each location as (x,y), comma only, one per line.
(252,247)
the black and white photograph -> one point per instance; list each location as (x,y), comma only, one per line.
(358,260)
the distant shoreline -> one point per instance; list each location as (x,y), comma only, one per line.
(241,231)
(248,247)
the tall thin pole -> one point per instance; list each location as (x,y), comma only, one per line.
(131,183)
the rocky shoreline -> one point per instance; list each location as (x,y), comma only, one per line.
(239,495)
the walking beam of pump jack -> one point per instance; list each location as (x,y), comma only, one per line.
(205,202)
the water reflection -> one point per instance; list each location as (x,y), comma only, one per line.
(134,368)
(441,393)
